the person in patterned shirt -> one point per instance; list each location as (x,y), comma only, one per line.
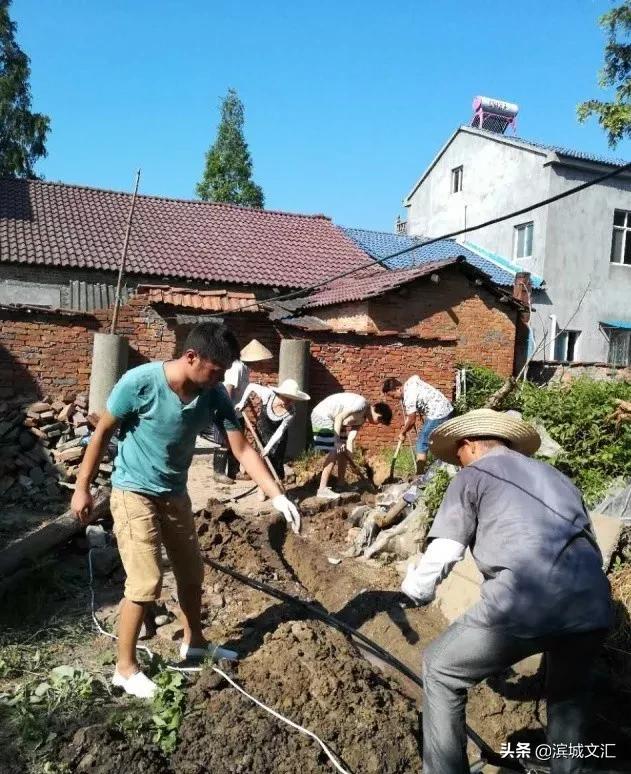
(419,397)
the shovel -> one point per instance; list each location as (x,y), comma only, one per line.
(394,462)
(361,473)
(257,440)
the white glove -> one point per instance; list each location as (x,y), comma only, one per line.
(289,511)
(426,573)
(239,407)
(415,587)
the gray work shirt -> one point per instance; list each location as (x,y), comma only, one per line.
(524,522)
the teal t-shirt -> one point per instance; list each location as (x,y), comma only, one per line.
(158,430)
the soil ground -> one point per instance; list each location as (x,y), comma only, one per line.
(366,712)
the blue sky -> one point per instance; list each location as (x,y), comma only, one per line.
(346,102)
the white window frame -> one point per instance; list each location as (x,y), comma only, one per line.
(516,232)
(457,177)
(562,341)
(625,335)
(625,230)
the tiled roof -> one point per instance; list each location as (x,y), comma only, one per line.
(381,244)
(370,285)
(206,300)
(561,151)
(54,224)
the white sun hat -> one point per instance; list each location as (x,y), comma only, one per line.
(255,351)
(487,423)
(289,389)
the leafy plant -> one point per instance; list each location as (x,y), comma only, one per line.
(481,383)
(435,491)
(168,709)
(37,707)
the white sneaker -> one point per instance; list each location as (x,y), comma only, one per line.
(214,651)
(326,493)
(137,685)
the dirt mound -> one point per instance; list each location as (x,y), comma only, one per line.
(102,750)
(314,676)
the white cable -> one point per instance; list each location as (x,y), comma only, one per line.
(289,722)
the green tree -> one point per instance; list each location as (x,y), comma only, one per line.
(228,172)
(22,133)
(614,116)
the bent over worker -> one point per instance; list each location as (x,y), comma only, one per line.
(160,408)
(419,397)
(335,422)
(236,380)
(274,419)
(544,588)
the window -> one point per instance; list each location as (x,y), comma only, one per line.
(522,247)
(456,179)
(566,346)
(621,239)
(619,347)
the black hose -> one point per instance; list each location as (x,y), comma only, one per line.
(490,756)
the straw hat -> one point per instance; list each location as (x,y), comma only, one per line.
(289,389)
(520,436)
(255,351)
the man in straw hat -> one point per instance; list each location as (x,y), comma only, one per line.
(276,414)
(236,380)
(544,589)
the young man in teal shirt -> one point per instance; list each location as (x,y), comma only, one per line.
(160,408)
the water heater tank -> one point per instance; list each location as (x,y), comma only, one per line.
(495,115)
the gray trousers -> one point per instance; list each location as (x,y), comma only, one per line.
(465,655)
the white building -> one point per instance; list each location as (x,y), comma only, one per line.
(580,245)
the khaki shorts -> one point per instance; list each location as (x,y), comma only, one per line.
(142,523)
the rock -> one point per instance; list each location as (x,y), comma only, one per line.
(46,415)
(25,481)
(171,632)
(6,482)
(68,444)
(70,455)
(96,536)
(26,440)
(81,431)
(39,407)
(66,413)
(105,560)
(162,620)
(549,447)
(81,400)
(52,488)
(37,475)
(216,600)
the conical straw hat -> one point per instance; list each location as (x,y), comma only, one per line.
(255,351)
(519,435)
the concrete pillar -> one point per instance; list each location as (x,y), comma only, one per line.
(109,363)
(293,363)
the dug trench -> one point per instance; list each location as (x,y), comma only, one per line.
(366,712)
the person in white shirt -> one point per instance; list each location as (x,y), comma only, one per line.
(274,418)
(335,422)
(419,397)
(236,380)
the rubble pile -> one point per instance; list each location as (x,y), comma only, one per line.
(42,444)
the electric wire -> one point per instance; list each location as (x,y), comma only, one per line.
(487,751)
(376,261)
(184,670)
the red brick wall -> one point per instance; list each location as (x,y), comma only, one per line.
(48,353)
(360,364)
(484,327)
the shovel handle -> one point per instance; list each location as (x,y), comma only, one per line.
(257,441)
